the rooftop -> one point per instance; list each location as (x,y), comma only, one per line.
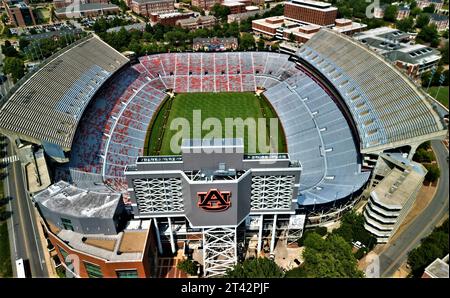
(67,199)
(323,6)
(438,269)
(85,7)
(128,245)
(401,182)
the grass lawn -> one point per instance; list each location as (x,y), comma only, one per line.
(217,105)
(442,96)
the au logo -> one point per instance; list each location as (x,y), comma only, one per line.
(214,200)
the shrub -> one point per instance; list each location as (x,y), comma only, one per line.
(188,266)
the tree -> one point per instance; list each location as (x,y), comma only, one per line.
(433,173)
(188,266)
(246,42)
(330,257)
(415,11)
(15,67)
(430,34)
(261,44)
(405,25)
(390,14)
(429,9)
(352,230)
(432,247)
(422,20)
(255,268)
(220,11)
(8,50)
(444,53)
(291,37)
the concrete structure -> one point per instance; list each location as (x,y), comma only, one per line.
(22,114)
(205,4)
(300,34)
(310,12)
(197,22)
(396,183)
(398,47)
(437,269)
(348,27)
(368,107)
(87,10)
(136,26)
(19,13)
(212,191)
(147,7)
(169,18)
(440,20)
(215,44)
(270,27)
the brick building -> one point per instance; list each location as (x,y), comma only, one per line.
(91,233)
(19,13)
(197,22)
(169,18)
(205,4)
(215,44)
(147,7)
(235,7)
(300,34)
(310,12)
(270,27)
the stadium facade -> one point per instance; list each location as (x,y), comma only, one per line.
(210,191)
(340,105)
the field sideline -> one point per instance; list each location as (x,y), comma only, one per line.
(218,105)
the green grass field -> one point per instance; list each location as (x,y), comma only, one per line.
(442,96)
(217,105)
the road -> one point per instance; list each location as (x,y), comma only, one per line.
(22,225)
(396,253)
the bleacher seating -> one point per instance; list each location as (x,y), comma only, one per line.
(386,106)
(113,132)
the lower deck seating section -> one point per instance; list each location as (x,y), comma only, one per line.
(319,137)
(112,132)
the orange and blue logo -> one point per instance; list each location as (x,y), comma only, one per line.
(214,200)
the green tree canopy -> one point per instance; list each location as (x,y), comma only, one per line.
(433,172)
(406,25)
(422,20)
(15,67)
(246,41)
(255,268)
(429,34)
(390,14)
(330,257)
(432,247)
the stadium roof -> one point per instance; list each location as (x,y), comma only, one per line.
(47,105)
(65,198)
(388,109)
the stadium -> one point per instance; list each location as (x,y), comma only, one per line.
(103,121)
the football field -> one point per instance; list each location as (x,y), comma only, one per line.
(176,112)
